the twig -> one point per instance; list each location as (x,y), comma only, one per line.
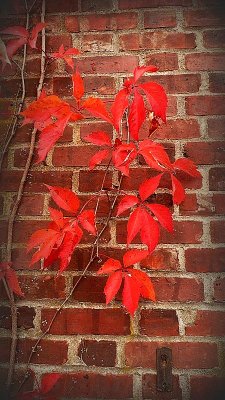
(15,209)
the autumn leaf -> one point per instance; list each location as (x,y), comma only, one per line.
(126,202)
(78,86)
(7,272)
(136,115)
(34,34)
(119,106)
(157,98)
(64,198)
(112,285)
(97,108)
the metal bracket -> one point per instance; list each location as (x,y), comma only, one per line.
(164,369)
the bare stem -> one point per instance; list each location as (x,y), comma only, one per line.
(18,200)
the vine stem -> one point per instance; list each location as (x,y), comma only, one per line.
(91,259)
(18,200)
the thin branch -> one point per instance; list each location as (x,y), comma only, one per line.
(17,203)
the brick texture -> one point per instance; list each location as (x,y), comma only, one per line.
(99,350)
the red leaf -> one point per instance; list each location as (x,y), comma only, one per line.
(119,106)
(72,51)
(12,281)
(136,115)
(139,71)
(156,97)
(100,138)
(154,155)
(48,381)
(146,286)
(13,45)
(131,294)
(87,220)
(186,165)
(78,86)
(126,202)
(134,256)
(163,215)
(71,240)
(178,190)
(16,31)
(34,34)
(112,285)
(64,54)
(149,186)
(97,108)
(123,155)
(39,237)
(49,137)
(97,158)
(57,217)
(64,198)
(111,265)
(135,223)
(46,247)
(149,232)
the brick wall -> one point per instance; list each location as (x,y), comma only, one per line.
(100,351)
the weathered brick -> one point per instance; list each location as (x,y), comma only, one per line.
(97,42)
(207,388)
(92,181)
(94,386)
(183,83)
(142,354)
(74,156)
(178,289)
(217,83)
(163,259)
(216,128)
(205,260)
(207,17)
(164,61)
(219,290)
(206,152)
(157,40)
(214,39)
(205,61)
(149,388)
(96,5)
(159,323)
(154,19)
(108,22)
(90,289)
(100,353)
(110,64)
(205,105)
(219,203)
(31,205)
(42,287)
(56,6)
(25,317)
(87,321)
(217,179)
(154,3)
(216,228)
(207,323)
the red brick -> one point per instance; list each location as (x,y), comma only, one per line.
(154,3)
(157,40)
(217,179)
(62,86)
(206,152)
(217,83)
(205,260)
(53,42)
(96,5)
(86,129)
(164,61)
(216,128)
(208,17)
(207,388)
(91,181)
(205,61)
(178,83)
(72,23)
(98,353)
(94,386)
(149,389)
(154,19)
(31,205)
(197,205)
(1,204)
(25,317)
(108,22)
(162,259)
(21,260)
(184,232)
(205,105)
(178,289)
(93,42)
(207,323)
(24,229)
(42,287)
(80,258)
(10,180)
(107,64)
(90,289)
(219,289)
(219,203)
(87,321)
(45,354)
(178,129)
(74,156)
(56,6)
(142,354)
(6,108)
(159,323)
(214,39)
(217,227)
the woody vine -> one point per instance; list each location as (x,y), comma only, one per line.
(135,103)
